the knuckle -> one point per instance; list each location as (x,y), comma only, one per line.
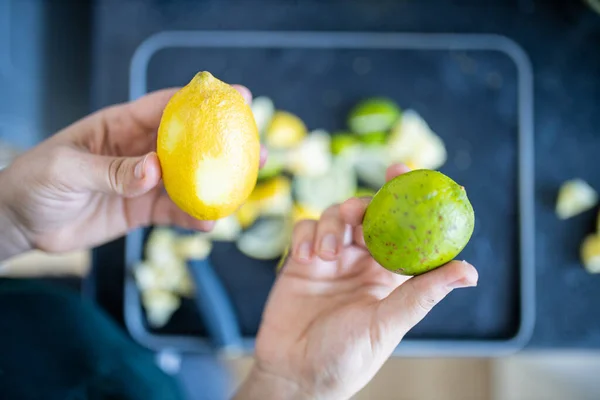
(331,221)
(421,302)
(331,211)
(425,303)
(116,174)
(303,225)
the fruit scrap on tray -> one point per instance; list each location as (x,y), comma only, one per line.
(575,197)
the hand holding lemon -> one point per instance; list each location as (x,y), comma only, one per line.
(101,177)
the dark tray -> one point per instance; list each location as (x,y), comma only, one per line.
(474,90)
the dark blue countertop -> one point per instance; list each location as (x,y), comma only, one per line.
(562,39)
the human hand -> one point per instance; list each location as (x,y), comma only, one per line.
(91,182)
(334,315)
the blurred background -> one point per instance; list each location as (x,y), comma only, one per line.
(502,95)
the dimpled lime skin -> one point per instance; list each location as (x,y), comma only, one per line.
(417,222)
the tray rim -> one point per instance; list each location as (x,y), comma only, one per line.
(360,40)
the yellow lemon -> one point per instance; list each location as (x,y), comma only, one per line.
(286,130)
(209,148)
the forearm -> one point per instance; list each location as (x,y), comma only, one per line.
(12,239)
(260,385)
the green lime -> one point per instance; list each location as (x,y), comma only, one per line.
(373,115)
(341,142)
(373,138)
(418,221)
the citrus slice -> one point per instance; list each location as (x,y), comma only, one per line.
(267,239)
(226,230)
(285,131)
(316,193)
(274,166)
(590,253)
(370,164)
(373,138)
(160,246)
(412,141)
(160,306)
(312,157)
(341,142)
(373,115)
(193,247)
(574,197)
(263,110)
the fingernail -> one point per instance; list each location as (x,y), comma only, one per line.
(303,251)
(329,244)
(138,171)
(466,281)
(208,225)
(245,92)
(462,283)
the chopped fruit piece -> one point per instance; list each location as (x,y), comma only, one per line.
(574,197)
(226,230)
(341,142)
(285,131)
(312,157)
(319,192)
(263,110)
(374,138)
(193,247)
(370,164)
(590,254)
(413,142)
(274,166)
(160,306)
(267,239)
(372,115)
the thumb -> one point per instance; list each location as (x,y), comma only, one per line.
(124,176)
(409,303)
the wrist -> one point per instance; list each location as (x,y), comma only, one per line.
(13,241)
(263,385)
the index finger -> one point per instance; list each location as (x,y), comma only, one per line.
(147,111)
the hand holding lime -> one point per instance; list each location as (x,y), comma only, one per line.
(417,222)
